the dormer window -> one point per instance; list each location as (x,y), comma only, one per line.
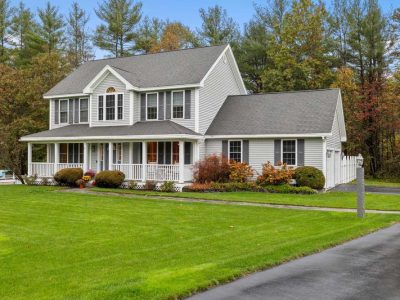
(111,105)
(110,90)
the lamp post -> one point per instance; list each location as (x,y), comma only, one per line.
(360,187)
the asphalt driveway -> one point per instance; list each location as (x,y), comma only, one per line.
(368,189)
(365,268)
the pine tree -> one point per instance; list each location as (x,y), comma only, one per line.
(117,35)
(5,21)
(149,34)
(217,27)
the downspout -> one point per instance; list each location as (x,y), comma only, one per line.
(324,159)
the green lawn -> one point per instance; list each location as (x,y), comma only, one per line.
(57,245)
(329,199)
(381,182)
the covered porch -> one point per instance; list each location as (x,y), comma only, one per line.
(155,160)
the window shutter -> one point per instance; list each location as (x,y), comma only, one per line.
(300,152)
(76,110)
(161,105)
(225,148)
(188,153)
(71,111)
(245,151)
(143,107)
(161,153)
(168,153)
(188,95)
(168,106)
(277,152)
(56,111)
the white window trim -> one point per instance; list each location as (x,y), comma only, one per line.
(241,149)
(79,109)
(59,111)
(116,106)
(295,151)
(116,153)
(172,104)
(156,107)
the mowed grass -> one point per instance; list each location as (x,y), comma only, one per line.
(381,182)
(56,245)
(328,199)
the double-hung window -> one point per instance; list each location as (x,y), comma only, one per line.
(289,152)
(83,110)
(235,151)
(111,107)
(101,108)
(63,111)
(177,105)
(152,101)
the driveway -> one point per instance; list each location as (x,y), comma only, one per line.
(369,189)
(365,268)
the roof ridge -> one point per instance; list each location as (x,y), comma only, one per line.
(286,92)
(155,53)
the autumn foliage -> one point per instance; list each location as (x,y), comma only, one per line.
(240,172)
(213,168)
(275,176)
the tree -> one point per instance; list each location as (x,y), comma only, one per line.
(117,34)
(175,36)
(5,22)
(22,28)
(149,34)
(50,35)
(217,27)
(79,48)
(300,52)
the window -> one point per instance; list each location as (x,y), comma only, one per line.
(117,153)
(289,152)
(235,150)
(120,106)
(188,153)
(101,107)
(177,105)
(71,153)
(63,111)
(110,107)
(175,153)
(63,153)
(110,90)
(151,152)
(83,110)
(152,100)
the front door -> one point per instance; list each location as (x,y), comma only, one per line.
(102,162)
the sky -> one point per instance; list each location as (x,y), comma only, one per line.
(185,11)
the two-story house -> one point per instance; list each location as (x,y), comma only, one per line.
(153,116)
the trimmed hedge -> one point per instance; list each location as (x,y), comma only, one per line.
(109,179)
(310,176)
(68,176)
(288,189)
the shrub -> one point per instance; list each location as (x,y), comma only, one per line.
(68,176)
(132,185)
(109,179)
(45,181)
(236,186)
(90,173)
(288,189)
(198,187)
(310,176)
(30,180)
(167,186)
(275,176)
(212,169)
(149,185)
(240,172)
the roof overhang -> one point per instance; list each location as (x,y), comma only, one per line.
(123,138)
(260,136)
(66,96)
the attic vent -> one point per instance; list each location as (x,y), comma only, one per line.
(110,90)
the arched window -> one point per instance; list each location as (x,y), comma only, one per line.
(110,90)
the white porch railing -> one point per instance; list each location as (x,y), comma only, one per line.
(131,171)
(153,172)
(162,172)
(65,166)
(348,168)
(49,169)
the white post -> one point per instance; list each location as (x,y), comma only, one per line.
(110,156)
(324,160)
(130,161)
(47,153)
(144,160)
(85,157)
(29,159)
(181,162)
(56,156)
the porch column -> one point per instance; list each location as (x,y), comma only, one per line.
(110,156)
(130,160)
(144,160)
(47,153)
(181,161)
(85,157)
(56,156)
(29,159)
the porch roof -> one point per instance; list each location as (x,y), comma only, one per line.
(140,130)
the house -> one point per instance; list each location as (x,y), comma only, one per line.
(153,116)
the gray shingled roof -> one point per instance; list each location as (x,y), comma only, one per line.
(187,66)
(137,129)
(302,112)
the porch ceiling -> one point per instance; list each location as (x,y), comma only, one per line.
(140,130)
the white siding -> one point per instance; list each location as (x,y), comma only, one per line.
(213,147)
(136,107)
(220,83)
(333,142)
(313,153)
(110,81)
(52,125)
(260,152)
(125,153)
(189,123)
(202,149)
